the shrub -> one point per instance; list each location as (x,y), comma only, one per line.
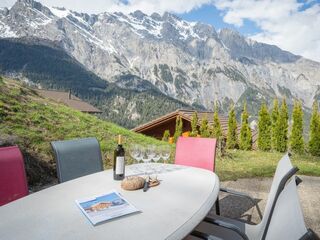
(216,131)
(245,141)
(194,125)
(282,128)
(178,129)
(232,129)
(264,130)
(296,137)
(314,141)
(274,121)
(204,128)
(166,136)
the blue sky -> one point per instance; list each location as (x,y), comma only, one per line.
(292,25)
(209,14)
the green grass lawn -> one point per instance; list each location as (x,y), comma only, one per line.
(34,122)
(248,164)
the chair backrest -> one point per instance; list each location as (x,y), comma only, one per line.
(196,152)
(284,168)
(13,181)
(77,158)
(287,220)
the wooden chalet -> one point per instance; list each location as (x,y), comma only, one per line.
(156,127)
(70,100)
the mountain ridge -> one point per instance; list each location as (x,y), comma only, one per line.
(188,61)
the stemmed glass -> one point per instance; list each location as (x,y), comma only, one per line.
(157,155)
(149,155)
(135,153)
(165,154)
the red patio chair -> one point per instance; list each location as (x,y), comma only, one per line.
(197,152)
(13,181)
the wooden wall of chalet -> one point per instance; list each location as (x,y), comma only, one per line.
(158,130)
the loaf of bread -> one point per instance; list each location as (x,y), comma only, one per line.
(132,183)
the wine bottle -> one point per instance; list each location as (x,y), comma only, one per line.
(119,161)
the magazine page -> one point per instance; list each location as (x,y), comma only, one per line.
(105,207)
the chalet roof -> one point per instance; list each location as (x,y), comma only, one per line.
(187,115)
(184,114)
(69,99)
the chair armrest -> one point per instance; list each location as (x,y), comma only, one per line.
(298,180)
(201,235)
(219,223)
(244,195)
(230,226)
(310,235)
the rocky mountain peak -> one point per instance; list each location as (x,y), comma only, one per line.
(188,61)
(138,14)
(156,16)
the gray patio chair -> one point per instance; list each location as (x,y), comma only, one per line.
(77,158)
(282,219)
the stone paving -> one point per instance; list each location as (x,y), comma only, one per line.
(235,207)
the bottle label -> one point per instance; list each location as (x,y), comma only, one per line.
(120,165)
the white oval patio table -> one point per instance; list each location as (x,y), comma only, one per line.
(168,211)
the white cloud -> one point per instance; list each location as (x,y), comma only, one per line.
(98,6)
(282,23)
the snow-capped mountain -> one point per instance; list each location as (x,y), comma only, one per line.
(189,61)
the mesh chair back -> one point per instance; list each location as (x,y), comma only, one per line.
(13,181)
(287,220)
(77,158)
(196,152)
(283,167)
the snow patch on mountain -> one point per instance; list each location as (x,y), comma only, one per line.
(60,12)
(6,31)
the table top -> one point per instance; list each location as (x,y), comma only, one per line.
(168,211)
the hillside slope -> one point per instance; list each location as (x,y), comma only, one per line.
(33,122)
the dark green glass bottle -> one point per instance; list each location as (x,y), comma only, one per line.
(119,161)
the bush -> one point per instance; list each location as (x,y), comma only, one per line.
(296,137)
(166,136)
(264,130)
(245,141)
(314,142)
(232,129)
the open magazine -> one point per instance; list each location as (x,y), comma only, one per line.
(105,207)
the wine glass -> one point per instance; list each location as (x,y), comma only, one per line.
(144,158)
(135,153)
(157,155)
(149,155)
(165,155)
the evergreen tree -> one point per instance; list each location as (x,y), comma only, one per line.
(204,128)
(282,128)
(245,142)
(166,136)
(194,125)
(264,129)
(232,129)
(296,137)
(216,131)
(274,121)
(178,129)
(314,141)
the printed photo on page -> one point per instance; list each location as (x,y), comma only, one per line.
(105,207)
